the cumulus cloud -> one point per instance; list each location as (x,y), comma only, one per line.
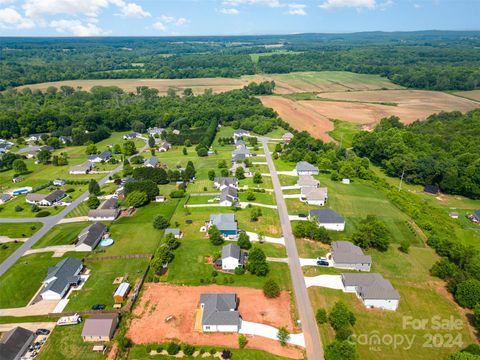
(12,19)
(40,8)
(77,28)
(159,26)
(358,4)
(236,3)
(173,20)
(230,11)
(130,9)
(297,9)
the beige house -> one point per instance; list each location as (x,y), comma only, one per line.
(100,327)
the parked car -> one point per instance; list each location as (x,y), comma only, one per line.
(302,215)
(98,307)
(42,332)
(322,263)
(322,258)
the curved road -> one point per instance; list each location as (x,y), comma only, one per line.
(313,342)
(48,222)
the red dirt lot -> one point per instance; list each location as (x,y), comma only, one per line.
(160,301)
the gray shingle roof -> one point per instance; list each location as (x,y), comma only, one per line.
(477,214)
(307,180)
(344,252)
(305,166)
(326,216)
(13,341)
(92,234)
(241,151)
(87,165)
(238,157)
(231,250)
(241,132)
(313,193)
(64,274)
(371,286)
(229,193)
(104,156)
(224,221)
(220,309)
(153,161)
(5,197)
(225,181)
(55,196)
(174,231)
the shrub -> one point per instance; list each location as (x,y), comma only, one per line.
(443,268)
(148,349)
(136,199)
(43,213)
(343,333)
(283,335)
(341,350)
(160,222)
(321,316)
(239,271)
(159,348)
(93,201)
(242,341)
(175,194)
(251,196)
(173,348)
(18,208)
(69,190)
(404,246)
(188,349)
(271,289)
(35,208)
(340,316)
(468,293)
(244,241)
(93,187)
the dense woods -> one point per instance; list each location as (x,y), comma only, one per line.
(428,60)
(443,151)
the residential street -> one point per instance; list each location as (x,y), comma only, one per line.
(48,222)
(312,336)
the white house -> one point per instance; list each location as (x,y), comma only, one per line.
(177,233)
(45,199)
(223,182)
(372,289)
(60,277)
(82,169)
(232,258)
(346,255)
(151,162)
(89,238)
(104,156)
(164,146)
(287,137)
(305,168)
(132,135)
(239,133)
(219,312)
(107,211)
(328,219)
(314,196)
(228,196)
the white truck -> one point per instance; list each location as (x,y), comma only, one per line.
(69,320)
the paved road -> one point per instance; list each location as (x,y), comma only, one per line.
(312,336)
(48,222)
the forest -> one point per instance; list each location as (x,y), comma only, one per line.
(438,60)
(443,151)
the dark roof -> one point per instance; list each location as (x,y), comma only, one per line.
(13,341)
(92,234)
(220,309)
(238,157)
(432,189)
(111,203)
(371,286)
(64,274)
(104,155)
(231,250)
(305,166)
(241,132)
(229,193)
(55,196)
(224,221)
(344,252)
(151,161)
(326,216)
(476,213)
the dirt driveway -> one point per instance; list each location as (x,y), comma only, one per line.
(160,301)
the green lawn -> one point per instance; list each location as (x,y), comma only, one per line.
(24,278)
(66,343)
(6,249)
(63,234)
(8,209)
(19,230)
(422,297)
(99,287)
(267,198)
(344,132)
(81,210)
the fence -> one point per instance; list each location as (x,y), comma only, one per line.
(131,256)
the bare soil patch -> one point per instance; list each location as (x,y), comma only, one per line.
(300,116)
(473,94)
(129,85)
(161,301)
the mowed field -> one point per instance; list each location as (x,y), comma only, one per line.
(130,85)
(364,107)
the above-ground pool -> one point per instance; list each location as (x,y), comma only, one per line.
(21,191)
(106,242)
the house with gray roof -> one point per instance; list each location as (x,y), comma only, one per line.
(89,238)
(60,278)
(232,258)
(240,132)
(307,181)
(175,231)
(372,289)
(228,196)
(476,215)
(240,143)
(36,136)
(4,197)
(130,136)
(328,219)
(45,199)
(81,169)
(164,146)
(246,171)
(107,211)
(219,312)
(305,168)
(32,151)
(287,137)
(15,343)
(155,131)
(226,223)
(102,157)
(238,158)
(223,182)
(346,255)
(151,162)
(241,150)
(314,196)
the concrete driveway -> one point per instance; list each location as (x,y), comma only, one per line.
(32,326)
(296,218)
(327,281)
(58,250)
(269,332)
(42,307)
(273,240)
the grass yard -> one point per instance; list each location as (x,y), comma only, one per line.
(343,132)
(19,230)
(286,180)
(66,343)
(99,287)
(6,249)
(267,198)
(422,297)
(81,210)
(18,289)
(63,234)
(8,209)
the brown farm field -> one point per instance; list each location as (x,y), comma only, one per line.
(129,85)
(473,94)
(363,107)
(161,301)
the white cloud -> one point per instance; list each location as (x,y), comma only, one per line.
(230,11)
(236,3)
(6,2)
(297,9)
(39,8)
(173,20)
(77,28)
(130,9)
(159,26)
(12,19)
(358,4)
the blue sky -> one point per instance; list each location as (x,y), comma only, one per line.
(230,17)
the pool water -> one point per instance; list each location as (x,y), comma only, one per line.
(106,242)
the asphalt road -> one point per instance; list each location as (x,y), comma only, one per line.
(48,223)
(312,336)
